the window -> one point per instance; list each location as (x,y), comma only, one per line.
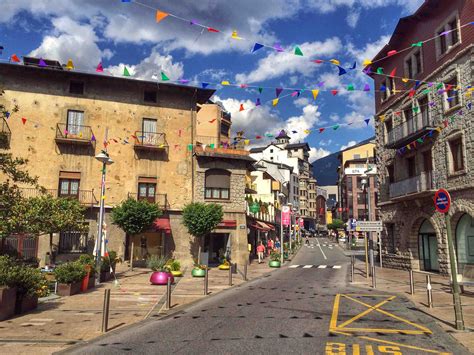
(271,150)
(217,184)
(73,242)
(356,156)
(332,197)
(448,36)
(147,191)
(149,96)
(457,156)
(149,135)
(424,111)
(361,214)
(391,173)
(411,167)
(361,198)
(76,87)
(225,129)
(427,161)
(75,121)
(69,188)
(388,130)
(451,94)
(413,64)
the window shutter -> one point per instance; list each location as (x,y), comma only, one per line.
(218,179)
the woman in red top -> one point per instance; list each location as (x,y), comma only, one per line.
(260,251)
(269,246)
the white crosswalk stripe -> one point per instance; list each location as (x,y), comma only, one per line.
(293,266)
(307,266)
(322,266)
(336,267)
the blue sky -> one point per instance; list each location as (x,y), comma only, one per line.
(118,34)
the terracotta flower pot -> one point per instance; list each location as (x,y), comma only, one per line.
(25,303)
(161,277)
(7,302)
(69,289)
(198,272)
(274,263)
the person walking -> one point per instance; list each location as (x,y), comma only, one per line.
(260,251)
(306,240)
(269,245)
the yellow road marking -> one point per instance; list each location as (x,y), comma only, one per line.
(367,311)
(381,330)
(425,330)
(335,311)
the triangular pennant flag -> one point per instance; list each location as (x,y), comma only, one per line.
(307,131)
(342,71)
(278,91)
(7,114)
(383,88)
(420,140)
(1,50)
(260,90)
(278,47)
(243,86)
(426,91)
(258,103)
(335,127)
(366,62)
(367,121)
(160,15)
(366,87)
(334,92)
(183,81)
(256,47)
(321,130)
(126,0)
(445,123)
(23,119)
(225,83)
(294,93)
(412,93)
(350,87)
(164,77)
(190,147)
(382,118)
(42,63)
(241,107)
(100,68)
(93,138)
(70,65)
(469,106)
(14,58)
(393,72)
(408,146)
(210,29)
(353,66)
(275,102)
(125,72)
(247,141)
(194,22)
(315,93)
(204,85)
(390,53)
(235,35)
(258,137)
(379,70)
(212,145)
(269,135)
(321,84)
(417,44)
(298,51)
(416,109)
(335,61)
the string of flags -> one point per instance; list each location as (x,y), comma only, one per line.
(160,15)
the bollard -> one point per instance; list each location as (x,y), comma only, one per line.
(429,292)
(245,272)
(352,268)
(374,282)
(412,282)
(206,281)
(168,294)
(230,275)
(131,257)
(105,311)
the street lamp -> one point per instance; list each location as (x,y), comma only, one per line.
(104,158)
(280,199)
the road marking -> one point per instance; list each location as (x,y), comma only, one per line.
(315,266)
(367,311)
(41,319)
(335,312)
(336,267)
(322,266)
(322,252)
(307,266)
(31,323)
(293,266)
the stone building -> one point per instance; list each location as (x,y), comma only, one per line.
(425,137)
(64,118)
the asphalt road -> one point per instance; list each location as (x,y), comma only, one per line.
(306,308)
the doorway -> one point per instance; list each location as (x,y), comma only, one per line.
(428,247)
(217,246)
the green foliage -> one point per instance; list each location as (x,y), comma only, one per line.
(108,261)
(88,261)
(27,280)
(69,273)
(135,216)
(174,265)
(158,263)
(275,256)
(201,218)
(336,224)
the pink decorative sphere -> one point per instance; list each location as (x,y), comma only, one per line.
(161,278)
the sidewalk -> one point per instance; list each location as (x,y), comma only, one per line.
(59,322)
(398,281)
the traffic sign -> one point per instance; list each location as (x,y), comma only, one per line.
(369,226)
(442,201)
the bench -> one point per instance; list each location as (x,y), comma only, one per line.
(467,276)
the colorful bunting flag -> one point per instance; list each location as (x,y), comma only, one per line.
(42,63)
(258,137)
(318,61)
(160,15)
(241,107)
(256,47)
(93,138)
(383,88)
(379,70)
(183,81)
(69,65)
(334,92)
(382,118)
(353,66)
(100,68)
(258,103)
(366,87)
(225,83)
(298,51)
(295,93)
(235,35)
(307,131)
(247,141)
(14,58)
(269,135)
(23,119)
(243,86)
(390,53)
(335,127)
(417,44)
(367,62)
(405,80)
(275,102)
(342,71)
(125,71)
(315,93)
(367,121)
(335,61)
(350,87)
(260,90)
(321,130)
(190,147)
(204,85)
(164,77)
(1,50)
(210,29)
(321,84)
(393,72)
(278,47)
(278,91)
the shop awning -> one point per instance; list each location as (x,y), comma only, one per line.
(163,223)
(259,227)
(227,223)
(269,226)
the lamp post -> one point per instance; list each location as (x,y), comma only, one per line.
(104,158)
(280,198)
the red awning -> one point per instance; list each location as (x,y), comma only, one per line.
(269,226)
(163,223)
(259,227)
(227,223)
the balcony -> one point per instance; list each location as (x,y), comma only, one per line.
(408,131)
(5,134)
(74,134)
(150,141)
(85,197)
(159,199)
(413,186)
(205,150)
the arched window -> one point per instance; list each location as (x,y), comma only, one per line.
(465,241)
(217,184)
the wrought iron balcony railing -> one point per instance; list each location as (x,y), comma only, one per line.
(150,140)
(85,197)
(160,199)
(5,134)
(409,130)
(74,134)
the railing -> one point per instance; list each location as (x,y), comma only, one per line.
(151,140)
(407,128)
(5,134)
(208,140)
(416,184)
(160,199)
(85,197)
(73,133)
(73,242)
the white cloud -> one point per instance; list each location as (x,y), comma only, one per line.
(353,17)
(348,145)
(67,38)
(324,143)
(301,101)
(276,64)
(317,153)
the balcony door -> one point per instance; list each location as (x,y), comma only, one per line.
(149,131)
(147,191)
(428,247)
(69,188)
(75,121)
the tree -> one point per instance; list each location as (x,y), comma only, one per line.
(48,215)
(200,219)
(336,224)
(135,216)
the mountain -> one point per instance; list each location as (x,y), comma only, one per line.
(325,170)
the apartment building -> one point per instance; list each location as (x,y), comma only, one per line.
(425,139)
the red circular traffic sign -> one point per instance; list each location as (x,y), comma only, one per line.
(442,201)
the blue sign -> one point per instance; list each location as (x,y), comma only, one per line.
(442,201)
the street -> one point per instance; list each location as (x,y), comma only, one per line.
(307,307)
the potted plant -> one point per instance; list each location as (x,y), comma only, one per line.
(69,277)
(161,272)
(175,268)
(89,265)
(107,266)
(225,265)
(7,290)
(198,270)
(274,259)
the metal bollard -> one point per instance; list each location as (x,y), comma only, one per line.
(131,257)
(105,311)
(429,292)
(374,282)
(245,272)
(206,282)
(352,268)
(230,275)
(168,294)
(412,282)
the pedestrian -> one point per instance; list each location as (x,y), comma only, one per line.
(260,251)
(277,244)
(269,245)
(306,240)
